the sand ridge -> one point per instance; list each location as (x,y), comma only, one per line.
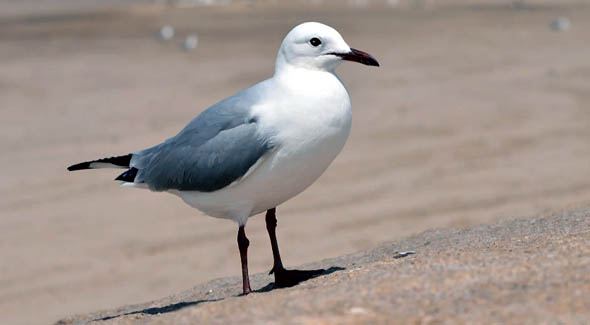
(519,271)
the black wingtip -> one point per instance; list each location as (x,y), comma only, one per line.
(117,161)
(128,175)
(80,166)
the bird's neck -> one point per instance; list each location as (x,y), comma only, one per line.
(306,82)
(291,75)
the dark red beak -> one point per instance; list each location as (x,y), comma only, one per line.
(358,56)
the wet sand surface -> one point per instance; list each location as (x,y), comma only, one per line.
(478,112)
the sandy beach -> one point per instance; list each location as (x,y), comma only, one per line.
(518,271)
(480,111)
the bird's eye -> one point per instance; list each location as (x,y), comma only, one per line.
(315,42)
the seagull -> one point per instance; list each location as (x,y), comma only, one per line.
(252,151)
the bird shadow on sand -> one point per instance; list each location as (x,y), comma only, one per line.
(180,305)
(271,286)
(158,310)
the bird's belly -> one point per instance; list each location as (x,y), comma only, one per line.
(291,170)
(284,173)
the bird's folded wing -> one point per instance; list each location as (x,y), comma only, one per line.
(180,164)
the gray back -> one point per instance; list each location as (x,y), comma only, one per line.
(212,151)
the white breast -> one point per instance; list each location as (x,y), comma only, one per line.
(309,127)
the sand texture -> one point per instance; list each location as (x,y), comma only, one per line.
(519,271)
(479,111)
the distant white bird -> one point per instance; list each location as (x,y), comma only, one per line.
(166,32)
(190,42)
(561,24)
(260,147)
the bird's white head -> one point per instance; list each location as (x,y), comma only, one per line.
(316,46)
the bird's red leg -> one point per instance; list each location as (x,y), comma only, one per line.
(271,226)
(283,277)
(243,244)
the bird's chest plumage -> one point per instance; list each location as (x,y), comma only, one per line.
(310,128)
(313,131)
(309,116)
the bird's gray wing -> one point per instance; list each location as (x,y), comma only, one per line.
(217,148)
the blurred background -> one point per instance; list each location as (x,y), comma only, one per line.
(480,110)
